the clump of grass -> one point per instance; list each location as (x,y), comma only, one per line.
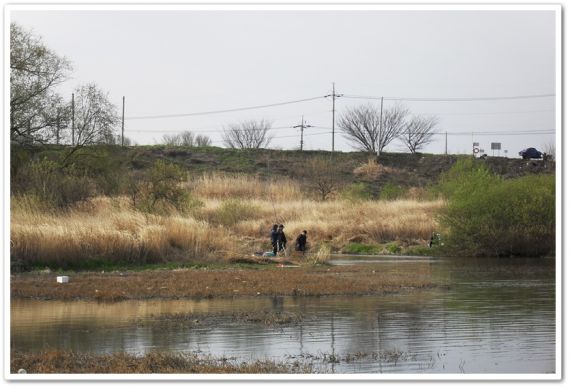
(322,255)
(372,170)
(393,248)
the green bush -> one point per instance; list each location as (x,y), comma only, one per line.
(393,248)
(392,192)
(52,185)
(361,249)
(233,211)
(161,189)
(356,192)
(490,216)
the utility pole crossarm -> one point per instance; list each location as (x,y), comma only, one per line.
(302,126)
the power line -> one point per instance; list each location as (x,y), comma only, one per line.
(487,113)
(221,111)
(450,99)
(497,132)
(193,130)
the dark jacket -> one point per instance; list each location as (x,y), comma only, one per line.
(282,237)
(274,236)
(301,242)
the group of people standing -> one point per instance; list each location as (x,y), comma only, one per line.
(279,240)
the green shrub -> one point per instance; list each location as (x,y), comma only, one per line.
(392,192)
(356,192)
(393,248)
(361,249)
(490,216)
(233,211)
(161,189)
(53,186)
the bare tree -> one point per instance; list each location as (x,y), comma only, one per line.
(549,149)
(248,134)
(95,116)
(320,175)
(171,140)
(418,132)
(364,128)
(186,139)
(34,72)
(202,141)
(361,126)
(393,123)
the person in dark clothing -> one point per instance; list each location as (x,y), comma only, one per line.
(301,242)
(282,239)
(274,238)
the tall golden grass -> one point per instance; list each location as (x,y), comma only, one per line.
(112,230)
(243,186)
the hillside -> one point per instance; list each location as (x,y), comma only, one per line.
(400,169)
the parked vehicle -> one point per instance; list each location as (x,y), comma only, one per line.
(530,153)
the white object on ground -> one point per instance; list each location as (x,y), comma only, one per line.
(63,279)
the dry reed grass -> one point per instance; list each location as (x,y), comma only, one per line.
(221,186)
(373,170)
(110,229)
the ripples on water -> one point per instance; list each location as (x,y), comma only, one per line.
(496,317)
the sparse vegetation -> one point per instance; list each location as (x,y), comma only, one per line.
(225,281)
(55,361)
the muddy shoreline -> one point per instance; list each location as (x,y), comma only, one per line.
(272,280)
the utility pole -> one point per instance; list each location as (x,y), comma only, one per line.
(334,96)
(57,129)
(123,125)
(72,119)
(302,126)
(381,124)
(446,142)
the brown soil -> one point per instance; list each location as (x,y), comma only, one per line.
(208,283)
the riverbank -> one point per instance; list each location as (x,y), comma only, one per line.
(154,362)
(229,281)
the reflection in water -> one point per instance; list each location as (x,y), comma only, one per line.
(496,317)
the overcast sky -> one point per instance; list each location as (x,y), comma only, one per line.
(176,62)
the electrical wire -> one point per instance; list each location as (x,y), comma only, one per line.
(221,111)
(449,99)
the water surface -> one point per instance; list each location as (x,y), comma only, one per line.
(494,316)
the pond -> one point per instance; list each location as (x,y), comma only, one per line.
(493,316)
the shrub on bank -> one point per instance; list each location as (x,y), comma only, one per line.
(233,211)
(356,192)
(490,216)
(391,192)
